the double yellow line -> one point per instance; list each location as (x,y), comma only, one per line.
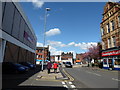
(70,77)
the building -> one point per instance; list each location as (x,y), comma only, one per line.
(67,57)
(79,58)
(42,53)
(110,33)
(18,40)
(56,58)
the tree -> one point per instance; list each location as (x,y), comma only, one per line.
(94,52)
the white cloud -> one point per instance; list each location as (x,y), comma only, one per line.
(53,45)
(39,44)
(56,43)
(84,45)
(71,44)
(54,51)
(53,32)
(36,3)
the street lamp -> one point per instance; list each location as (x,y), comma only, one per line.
(45,22)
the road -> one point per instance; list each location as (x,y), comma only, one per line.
(93,78)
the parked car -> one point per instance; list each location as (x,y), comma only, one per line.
(10,67)
(28,64)
(26,68)
(68,64)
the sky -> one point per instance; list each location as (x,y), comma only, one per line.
(71,26)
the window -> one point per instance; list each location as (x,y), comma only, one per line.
(119,21)
(112,24)
(102,31)
(109,43)
(103,45)
(105,61)
(108,28)
(114,41)
(8,17)
(117,62)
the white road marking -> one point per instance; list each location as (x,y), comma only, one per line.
(72,86)
(115,79)
(63,82)
(65,86)
(97,74)
(70,82)
(93,73)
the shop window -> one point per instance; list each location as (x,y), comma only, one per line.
(117,62)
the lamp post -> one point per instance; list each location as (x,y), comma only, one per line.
(45,22)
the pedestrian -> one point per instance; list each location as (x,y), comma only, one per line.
(49,65)
(55,66)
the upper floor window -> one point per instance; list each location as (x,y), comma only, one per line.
(103,45)
(119,21)
(112,24)
(114,41)
(109,43)
(108,28)
(102,31)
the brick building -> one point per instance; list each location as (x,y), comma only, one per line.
(17,39)
(56,58)
(79,58)
(110,34)
(42,53)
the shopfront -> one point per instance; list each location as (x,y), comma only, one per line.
(111,59)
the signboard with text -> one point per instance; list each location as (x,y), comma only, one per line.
(111,53)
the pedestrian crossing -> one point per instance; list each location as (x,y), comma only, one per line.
(68,85)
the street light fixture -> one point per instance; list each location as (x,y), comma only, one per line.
(45,22)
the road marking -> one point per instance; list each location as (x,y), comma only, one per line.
(73,86)
(65,86)
(63,82)
(71,78)
(70,82)
(115,79)
(93,73)
(97,74)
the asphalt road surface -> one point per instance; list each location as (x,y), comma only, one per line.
(94,78)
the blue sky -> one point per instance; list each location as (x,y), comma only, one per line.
(70,26)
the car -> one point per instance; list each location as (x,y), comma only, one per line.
(26,68)
(11,67)
(68,64)
(28,64)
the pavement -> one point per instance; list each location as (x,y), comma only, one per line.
(43,75)
(34,79)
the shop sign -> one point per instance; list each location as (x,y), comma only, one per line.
(111,53)
(27,37)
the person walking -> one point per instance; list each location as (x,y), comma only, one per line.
(49,65)
(55,66)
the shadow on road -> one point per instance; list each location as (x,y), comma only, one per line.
(14,80)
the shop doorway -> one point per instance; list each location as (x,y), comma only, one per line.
(110,64)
